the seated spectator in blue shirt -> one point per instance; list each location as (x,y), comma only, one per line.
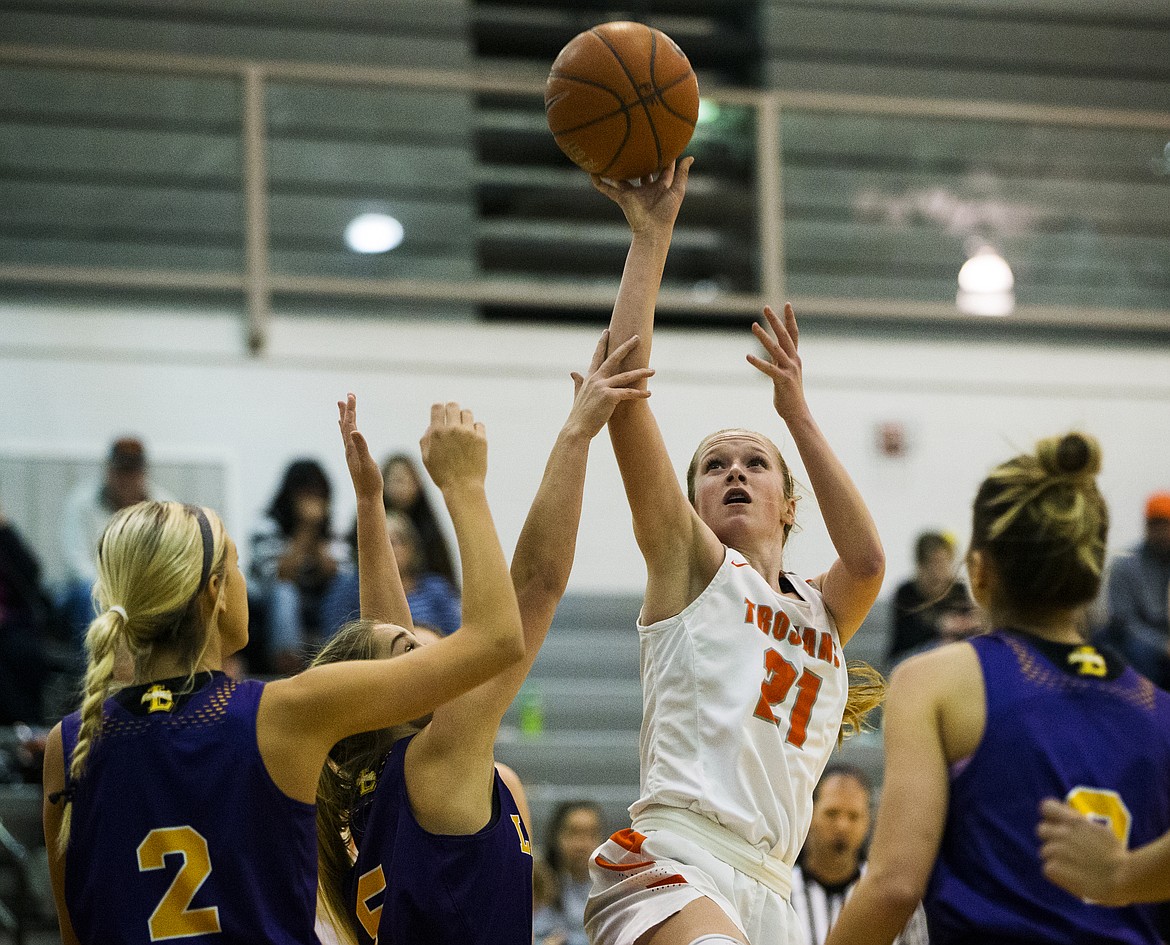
(433,600)
(295,563)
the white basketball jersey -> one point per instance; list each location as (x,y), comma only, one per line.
(742,697)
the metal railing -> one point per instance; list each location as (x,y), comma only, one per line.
(258,283)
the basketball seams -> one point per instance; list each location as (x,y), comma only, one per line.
(666,105)
(585,123)
(638,99)
(622,108)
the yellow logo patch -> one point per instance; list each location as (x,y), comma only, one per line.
(158,699)
(366,782)
(1087,661)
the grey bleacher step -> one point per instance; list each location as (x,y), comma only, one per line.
(574,652)
(571,757)
(580,702)
(598,611)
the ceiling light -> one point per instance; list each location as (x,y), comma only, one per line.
(373,233)
(985,285)
(986,271)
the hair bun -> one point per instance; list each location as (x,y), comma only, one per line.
(1074,454)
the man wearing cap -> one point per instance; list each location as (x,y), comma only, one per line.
(1139,596)
(86,513)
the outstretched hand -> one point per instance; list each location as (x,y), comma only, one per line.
(366,476)
(454,447)
(650,205)
(783,362)
(597,394)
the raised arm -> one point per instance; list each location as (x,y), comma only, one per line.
(303,717)
(853,582)
(449,763)
(681,553)
(380,590)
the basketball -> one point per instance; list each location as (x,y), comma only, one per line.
(622,100)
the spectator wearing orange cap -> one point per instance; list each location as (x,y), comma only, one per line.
(1139,596)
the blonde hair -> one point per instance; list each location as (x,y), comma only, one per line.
(1043,522)
(152,564)
(867,690)
(340,784)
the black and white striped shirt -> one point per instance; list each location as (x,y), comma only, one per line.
(818,904)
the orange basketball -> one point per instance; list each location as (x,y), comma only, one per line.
(622,100)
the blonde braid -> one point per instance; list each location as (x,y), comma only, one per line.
(101,642)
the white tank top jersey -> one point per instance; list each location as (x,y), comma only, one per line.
(742,696)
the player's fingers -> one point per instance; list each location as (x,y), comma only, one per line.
(681,173)
(629,378)
(771,345)
(620,353)
(438,414)
(466,418)
(667,175)
(1055,811)
(766,367)
(780,331)
(631,393)
(599,352)
(480,431)
(790,323)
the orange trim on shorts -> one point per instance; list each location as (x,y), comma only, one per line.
(620,867)
(675,880)
(630,839)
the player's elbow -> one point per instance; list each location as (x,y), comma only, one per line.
(902,889)
(868,564)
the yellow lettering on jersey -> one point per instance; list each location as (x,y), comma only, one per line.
(158,699)
(369,885)
(1087,661)
(173,917)
(366,782)
(525,843)
(1103,806)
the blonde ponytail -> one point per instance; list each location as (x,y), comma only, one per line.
(153,560)
(867,691)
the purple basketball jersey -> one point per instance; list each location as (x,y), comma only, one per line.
(1103,744)
(178,831)
(411,886)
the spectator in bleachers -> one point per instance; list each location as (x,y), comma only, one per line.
(89,507)
(433,599)
(295,560)
(1138,621)
(833,858)
(574,832)
(404,492)
(26,619)
(920,602)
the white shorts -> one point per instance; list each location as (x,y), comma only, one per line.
(641,880)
